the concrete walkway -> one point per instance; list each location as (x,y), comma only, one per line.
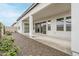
(63,45)
(30,47)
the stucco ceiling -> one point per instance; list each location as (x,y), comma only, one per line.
(52,9)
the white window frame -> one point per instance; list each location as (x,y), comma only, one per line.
(64,23)
(56,24)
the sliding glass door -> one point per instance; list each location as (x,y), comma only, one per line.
(40,27)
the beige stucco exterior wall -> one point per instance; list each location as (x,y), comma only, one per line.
(53,32)
(75,29)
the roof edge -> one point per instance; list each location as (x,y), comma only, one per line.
(29,9)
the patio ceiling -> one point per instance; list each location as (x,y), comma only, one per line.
(52,9)
(26,19)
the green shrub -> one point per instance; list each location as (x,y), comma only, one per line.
(12,52)
(8,33)
(8,47)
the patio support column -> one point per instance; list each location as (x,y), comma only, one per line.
(30,25)
(22,27)
(75,29)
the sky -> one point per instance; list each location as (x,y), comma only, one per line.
(9,13)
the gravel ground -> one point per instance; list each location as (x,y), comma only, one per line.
(30,47)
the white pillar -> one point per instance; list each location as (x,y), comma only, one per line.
(30,25)
(64,24)
(22,27)
(75,29)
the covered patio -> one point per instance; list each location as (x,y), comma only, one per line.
(36,26)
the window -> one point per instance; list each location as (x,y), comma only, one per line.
(26,27)
(60,24)
(69,17)
(37,27)
(49,20)
(44,29)
(49,26)
(18,27)
(68,23)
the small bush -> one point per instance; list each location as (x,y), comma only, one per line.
(12,52)
(8,33)
(8,47)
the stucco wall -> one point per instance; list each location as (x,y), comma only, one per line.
(53,33)
(75,29)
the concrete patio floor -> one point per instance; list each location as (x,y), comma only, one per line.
(63,45)
(30,47)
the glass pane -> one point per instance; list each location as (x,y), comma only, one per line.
(18,27)
(68,23)
(69,17)
(49,20)
(44,29)
(26,27)
(60,24)
(49,27)
(68,27)
(60,27)
(38,28)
